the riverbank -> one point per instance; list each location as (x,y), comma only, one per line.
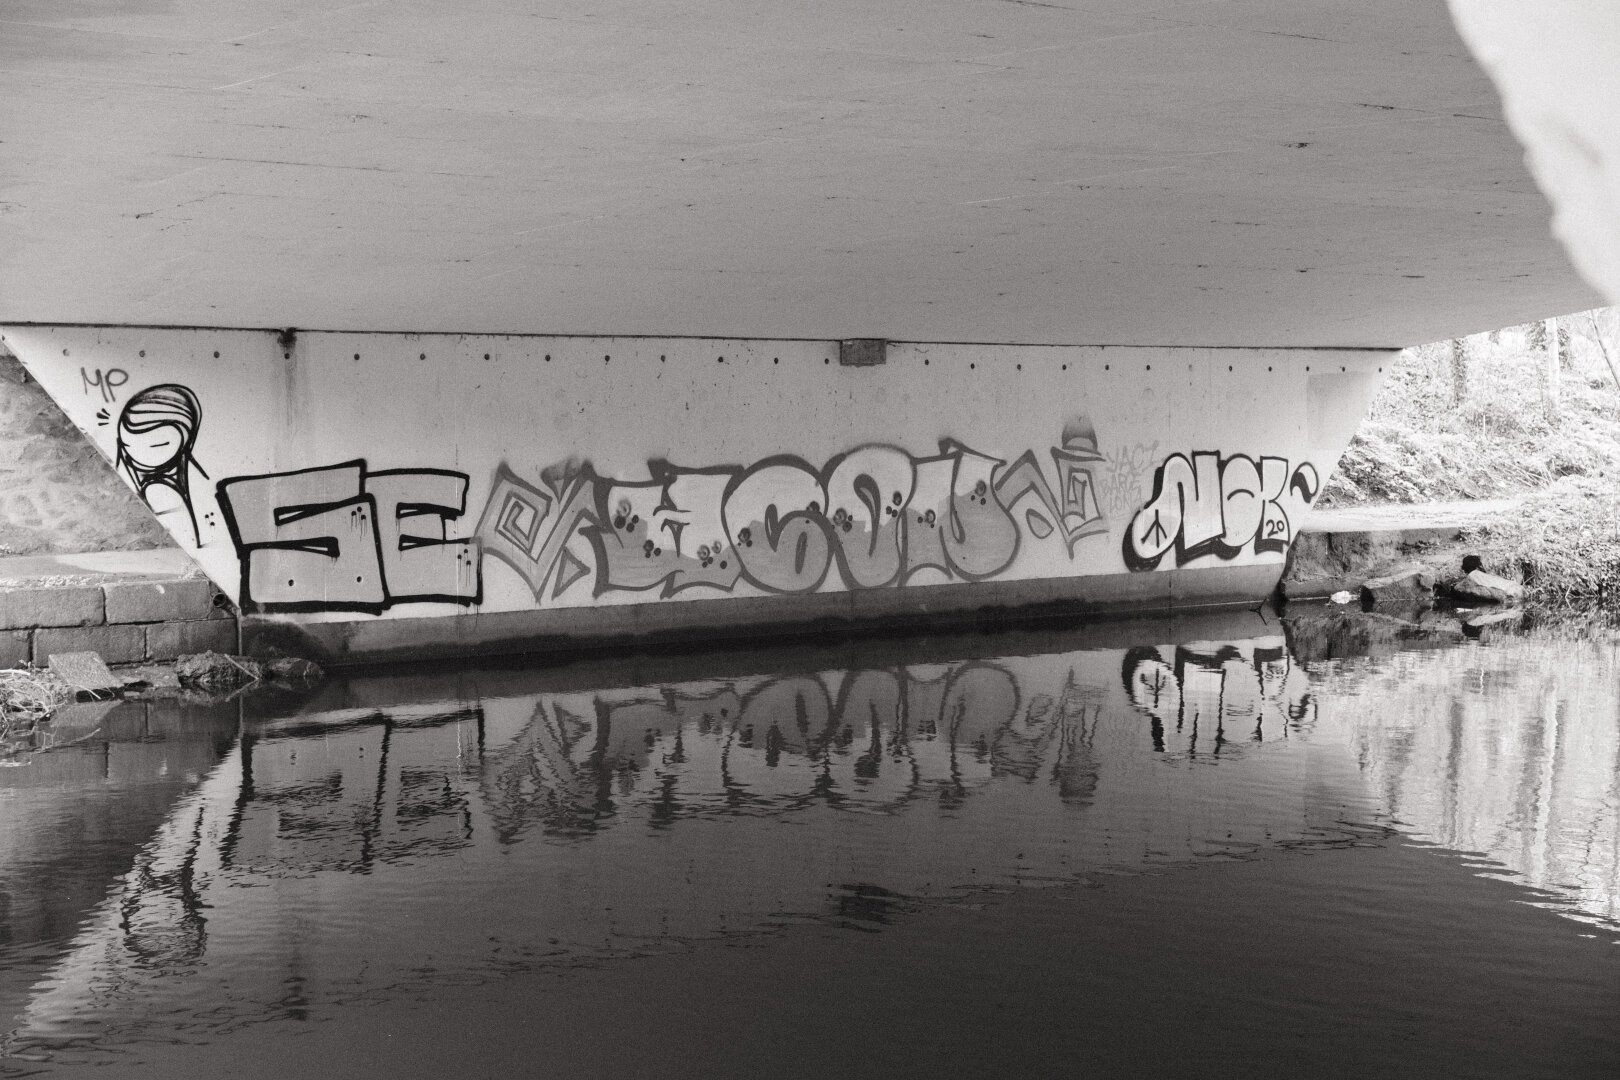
(1487,419)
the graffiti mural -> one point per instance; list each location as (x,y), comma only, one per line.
(345,538)
(348,538)
(156,432)
(874,517)
(1215,504)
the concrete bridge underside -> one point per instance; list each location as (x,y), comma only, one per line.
(570,281)
(1179,172)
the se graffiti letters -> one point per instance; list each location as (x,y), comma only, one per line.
(345,538)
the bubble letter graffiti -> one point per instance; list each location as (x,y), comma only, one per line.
(1218,506)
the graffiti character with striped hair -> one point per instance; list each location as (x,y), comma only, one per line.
(156,432)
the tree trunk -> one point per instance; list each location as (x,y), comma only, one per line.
(1550,361)
(1459,370)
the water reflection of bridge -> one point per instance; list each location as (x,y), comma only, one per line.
(345,788)
(509,817)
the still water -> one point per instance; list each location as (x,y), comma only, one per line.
(1228,846)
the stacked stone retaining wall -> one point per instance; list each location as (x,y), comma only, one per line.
(57,494)
(125,622)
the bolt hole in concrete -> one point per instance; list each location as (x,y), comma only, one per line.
(1331,845)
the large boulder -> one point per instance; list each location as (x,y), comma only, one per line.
(216,671)
(1478,587)
(1403,584)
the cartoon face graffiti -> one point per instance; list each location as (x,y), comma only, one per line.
(156,432)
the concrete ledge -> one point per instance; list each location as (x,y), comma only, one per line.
(159,601)
(166,641)
(1337,550)
(73,605)
(932,608)
(116,644)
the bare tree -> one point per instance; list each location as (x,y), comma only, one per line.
(1550,365)
(1459,370)
(1604,322)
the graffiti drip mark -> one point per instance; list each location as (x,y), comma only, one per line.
(1218,505)
(343,538)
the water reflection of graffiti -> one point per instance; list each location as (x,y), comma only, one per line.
(572,763)
(1207,693)
(345,538)
(855,739)
(1216,504)
(874,517)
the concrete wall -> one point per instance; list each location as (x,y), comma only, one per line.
(627,485)
(57,494)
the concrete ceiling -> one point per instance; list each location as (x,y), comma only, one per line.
(1201,172)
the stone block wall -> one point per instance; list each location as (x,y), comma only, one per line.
(57,494)
(125,621)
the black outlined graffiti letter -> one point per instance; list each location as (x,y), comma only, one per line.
(419,562)
(307,540)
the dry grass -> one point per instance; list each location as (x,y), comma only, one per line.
(28,696)
(1564,542)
